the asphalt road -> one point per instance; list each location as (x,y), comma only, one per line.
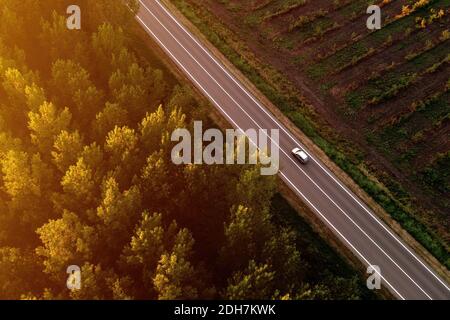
(402,271)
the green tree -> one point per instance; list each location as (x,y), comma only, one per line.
(79,187)
(99,284)
(176,277)
(118,213)
(251,235)
(106,120)
(68,147)
(149,242)
(155,182)
(256,282)
(18,88)
(18,85)
(66,241)
(246,236)
(122,147)
(27,181)
(182,98)
(35,96)
(12,28)
(19,273)
(121,144)
(107,43)
(62,43)
(152,128)
(46,124)
(255,190)
(132,89)
(72,87)
(119,12)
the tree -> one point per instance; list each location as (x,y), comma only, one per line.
(123,149)
(123,59)
(156,129)
(152,128)
(118,213)
(181,98)
(27,182)
(17,83)
(72,87)
(35,96)
(66,241)
(8,143)
(18,89)
(100,284)
(162,254)
(118,12)
(282,254)
(149,242)
(19,272)
(79,187)
(255,190)
(246,236)
(176,277)
(93,157)
(87,104)
(68,147)
(46,125)
(121,144)
(12,29)
(251,236)
(17,176)
(19,20)
(106,120)
(155,182)
(257,282)
(11,58)
(158,89)
(107,42)
(131,89)
(332,288)
(173,278)
(62,43)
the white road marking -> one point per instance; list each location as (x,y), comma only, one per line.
(297,142)
(301,169)
(285,177)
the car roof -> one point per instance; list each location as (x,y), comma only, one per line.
(303,154)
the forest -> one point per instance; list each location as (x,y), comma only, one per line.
(86,177)
(376,101)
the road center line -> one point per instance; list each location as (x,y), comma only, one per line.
(295,141)
(285,177)
(301,169)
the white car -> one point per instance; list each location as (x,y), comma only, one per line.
(300,155)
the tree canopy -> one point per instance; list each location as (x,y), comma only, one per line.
(86,177)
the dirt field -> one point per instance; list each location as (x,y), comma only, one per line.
(386,92)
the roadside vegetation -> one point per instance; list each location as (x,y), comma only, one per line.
(86,178)
(375,101)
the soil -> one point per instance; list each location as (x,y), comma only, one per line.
(327,106)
